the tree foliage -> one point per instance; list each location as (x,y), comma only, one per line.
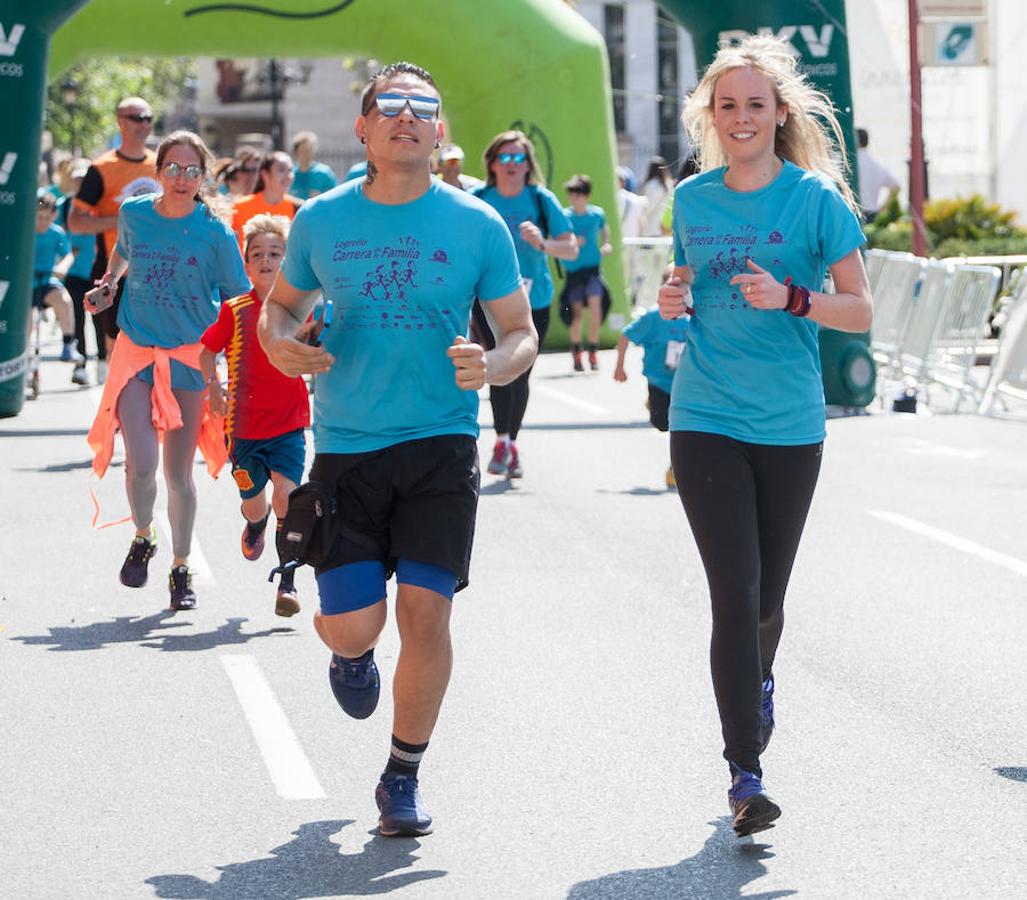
(101,84)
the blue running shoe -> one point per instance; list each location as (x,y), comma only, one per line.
(753,810)
(767,713)
(355,684)
(399,802)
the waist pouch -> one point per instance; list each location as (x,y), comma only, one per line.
(311,523)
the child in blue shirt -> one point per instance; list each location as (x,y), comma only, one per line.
(662,342)
(584,284)
(52,259)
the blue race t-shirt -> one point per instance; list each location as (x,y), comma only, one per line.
(402,280)
(51,247)
(653,334)
(179,271)
(754,375)
(589,225)
(525,208)
(316,180)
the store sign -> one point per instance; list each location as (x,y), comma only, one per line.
(955,44)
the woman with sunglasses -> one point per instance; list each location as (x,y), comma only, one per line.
(402,257)
(270,197)
(755,234)
(540,230)
(181,261)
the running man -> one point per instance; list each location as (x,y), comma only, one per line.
(114,177)
(396,403)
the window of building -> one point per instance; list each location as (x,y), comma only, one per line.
(613,29)
(668,86)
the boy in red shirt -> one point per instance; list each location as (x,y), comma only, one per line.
(265,411)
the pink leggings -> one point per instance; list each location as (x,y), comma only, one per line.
(141,451)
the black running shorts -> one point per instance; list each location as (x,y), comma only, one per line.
(416,500)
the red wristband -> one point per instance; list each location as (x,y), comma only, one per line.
(799,300)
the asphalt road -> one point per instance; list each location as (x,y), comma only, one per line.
(200,755)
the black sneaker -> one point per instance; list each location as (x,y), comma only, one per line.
(180,583)
(752,810)
(133,570)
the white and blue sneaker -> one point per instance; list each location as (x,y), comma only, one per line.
(355,684)
(399,802)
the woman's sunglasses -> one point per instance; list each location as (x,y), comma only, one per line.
(506,158)
(425,108)
(173,170)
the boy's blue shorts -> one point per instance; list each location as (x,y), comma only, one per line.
(254,460)
(40,290)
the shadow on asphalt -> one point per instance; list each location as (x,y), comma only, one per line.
(43,432)
(641,492)
(64,467)
(1013,773)
(724,866)
(140,630)
(503,486)
(310,865)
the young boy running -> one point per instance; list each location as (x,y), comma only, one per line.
(265,410)
(584,285)
(662,342)
(52,259)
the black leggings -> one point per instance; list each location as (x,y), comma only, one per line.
(77,288)
(509,401)
(747,505)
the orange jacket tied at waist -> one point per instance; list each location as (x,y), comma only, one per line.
(127,360)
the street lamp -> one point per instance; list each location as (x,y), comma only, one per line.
(69,97)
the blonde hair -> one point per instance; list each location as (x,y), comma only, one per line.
(264,224)
(811,136)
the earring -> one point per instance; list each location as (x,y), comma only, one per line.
(438,144)
(362,141)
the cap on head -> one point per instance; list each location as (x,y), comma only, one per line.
(451,151)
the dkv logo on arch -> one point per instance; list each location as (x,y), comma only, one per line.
(817,42)
(9,40)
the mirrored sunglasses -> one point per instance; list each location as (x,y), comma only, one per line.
(425,108)
(506,158)
(173,170)
(136,117)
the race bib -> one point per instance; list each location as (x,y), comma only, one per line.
(674,351)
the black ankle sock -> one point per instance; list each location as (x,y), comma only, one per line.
(575,348)
(256,529)
(404,758)
(69,339)
(593,348)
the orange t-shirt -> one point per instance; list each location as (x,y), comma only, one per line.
(254,204)
(111,180)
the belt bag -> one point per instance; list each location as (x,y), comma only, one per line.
(310,524)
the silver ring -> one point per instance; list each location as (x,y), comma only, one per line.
(748,288)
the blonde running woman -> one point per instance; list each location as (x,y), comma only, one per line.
(755,233)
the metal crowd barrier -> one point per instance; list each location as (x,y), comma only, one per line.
(645,260)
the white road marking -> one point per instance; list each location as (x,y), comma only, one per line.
(1015,565)
(198,565)
(286,762)
(569,399)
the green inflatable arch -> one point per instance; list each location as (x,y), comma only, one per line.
(532,64)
